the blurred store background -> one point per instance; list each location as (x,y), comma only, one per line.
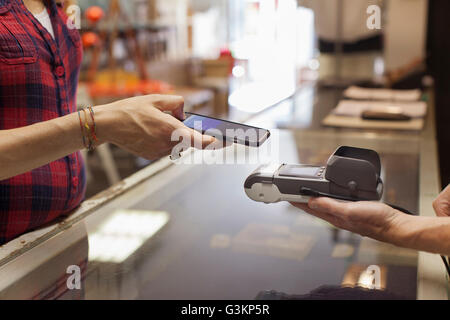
(238,58)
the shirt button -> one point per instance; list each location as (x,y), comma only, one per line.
(75,181)
(59,71)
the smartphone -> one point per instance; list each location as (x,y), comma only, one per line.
(230,131)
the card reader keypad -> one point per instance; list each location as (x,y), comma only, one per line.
(321,171)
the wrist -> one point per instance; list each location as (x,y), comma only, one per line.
(404,230)
(423,233)
(429,234)
(105,119)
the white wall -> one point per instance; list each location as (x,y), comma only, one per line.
(405,31)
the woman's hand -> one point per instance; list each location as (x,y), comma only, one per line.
(139,125)
(441,204)
(143,126)
(372,219)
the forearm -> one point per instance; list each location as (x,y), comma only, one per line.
(431,234)
(26,148)
(139,125)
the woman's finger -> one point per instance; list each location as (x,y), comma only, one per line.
(190,137)
(172,103)
(201,141)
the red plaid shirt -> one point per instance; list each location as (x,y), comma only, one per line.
(38,82)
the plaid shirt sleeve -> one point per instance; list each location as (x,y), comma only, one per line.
(38,81)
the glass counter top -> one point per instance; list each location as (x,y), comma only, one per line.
(190,232)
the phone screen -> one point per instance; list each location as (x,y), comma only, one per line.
(231,131)
(300,171)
